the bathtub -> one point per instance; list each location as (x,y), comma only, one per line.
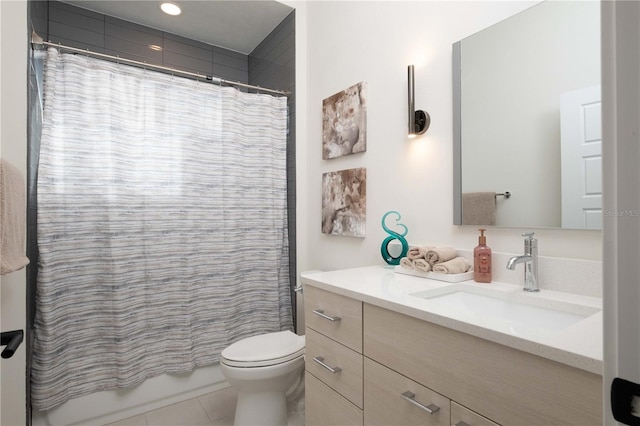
(109,406)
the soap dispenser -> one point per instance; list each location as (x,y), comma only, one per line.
(482,260)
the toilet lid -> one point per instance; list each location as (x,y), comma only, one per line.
(264,349)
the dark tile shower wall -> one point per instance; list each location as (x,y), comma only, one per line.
(85,29)
(272,64)
(38,12)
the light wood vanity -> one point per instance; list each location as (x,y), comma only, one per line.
(370,365)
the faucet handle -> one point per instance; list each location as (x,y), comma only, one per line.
(529,242)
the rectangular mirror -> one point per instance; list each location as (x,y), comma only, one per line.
(527,120)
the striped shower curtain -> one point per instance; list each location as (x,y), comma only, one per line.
(162,228)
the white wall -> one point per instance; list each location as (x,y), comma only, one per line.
(13,148)
(348,42)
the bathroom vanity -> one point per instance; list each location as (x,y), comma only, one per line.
(384,348)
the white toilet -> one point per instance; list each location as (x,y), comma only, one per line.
(262,369)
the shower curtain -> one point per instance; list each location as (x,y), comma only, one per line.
(162,228)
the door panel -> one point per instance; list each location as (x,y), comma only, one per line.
(581,158)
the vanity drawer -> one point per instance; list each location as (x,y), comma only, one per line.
(504,384)
(392,399)
(462,416)
(348,380)
(335,316)
(325,407)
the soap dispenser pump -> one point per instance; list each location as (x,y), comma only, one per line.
(482,260)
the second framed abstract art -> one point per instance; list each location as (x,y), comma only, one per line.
(344,202)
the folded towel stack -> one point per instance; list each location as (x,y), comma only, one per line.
(443,260)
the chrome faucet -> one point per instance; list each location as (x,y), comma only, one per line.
(530,260)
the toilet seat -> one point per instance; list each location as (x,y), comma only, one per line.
(264,350)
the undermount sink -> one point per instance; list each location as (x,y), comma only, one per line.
(509,311)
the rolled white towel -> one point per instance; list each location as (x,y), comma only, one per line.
(440,254)
(424,250)
(421,265)
(414,253)
(458,265)
(405,262)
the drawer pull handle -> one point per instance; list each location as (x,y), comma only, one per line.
(321,313)
(410,396)
(462,423)
(320,360)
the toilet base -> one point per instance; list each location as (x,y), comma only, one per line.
(263,385)
(264,408)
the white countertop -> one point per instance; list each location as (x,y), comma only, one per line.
(578,345)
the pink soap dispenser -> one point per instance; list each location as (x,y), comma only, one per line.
(482,260)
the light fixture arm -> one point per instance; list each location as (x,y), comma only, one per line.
(419,120)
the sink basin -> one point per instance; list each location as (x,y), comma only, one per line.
(509,311)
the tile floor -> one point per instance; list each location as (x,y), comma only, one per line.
(213,409)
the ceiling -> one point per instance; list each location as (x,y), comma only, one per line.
(238,25)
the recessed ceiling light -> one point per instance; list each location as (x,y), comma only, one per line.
(170,8)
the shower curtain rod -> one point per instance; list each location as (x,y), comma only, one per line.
(37,40)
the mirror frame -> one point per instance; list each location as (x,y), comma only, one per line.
(457,134)
(457,142)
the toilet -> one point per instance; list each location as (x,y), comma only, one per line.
(264,369)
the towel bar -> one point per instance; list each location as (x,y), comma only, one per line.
(11,339)
(505,194)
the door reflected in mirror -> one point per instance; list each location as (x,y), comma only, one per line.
(527,120)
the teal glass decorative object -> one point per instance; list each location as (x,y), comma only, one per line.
(384,248)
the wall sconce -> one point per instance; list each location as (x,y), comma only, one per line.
(419,121)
